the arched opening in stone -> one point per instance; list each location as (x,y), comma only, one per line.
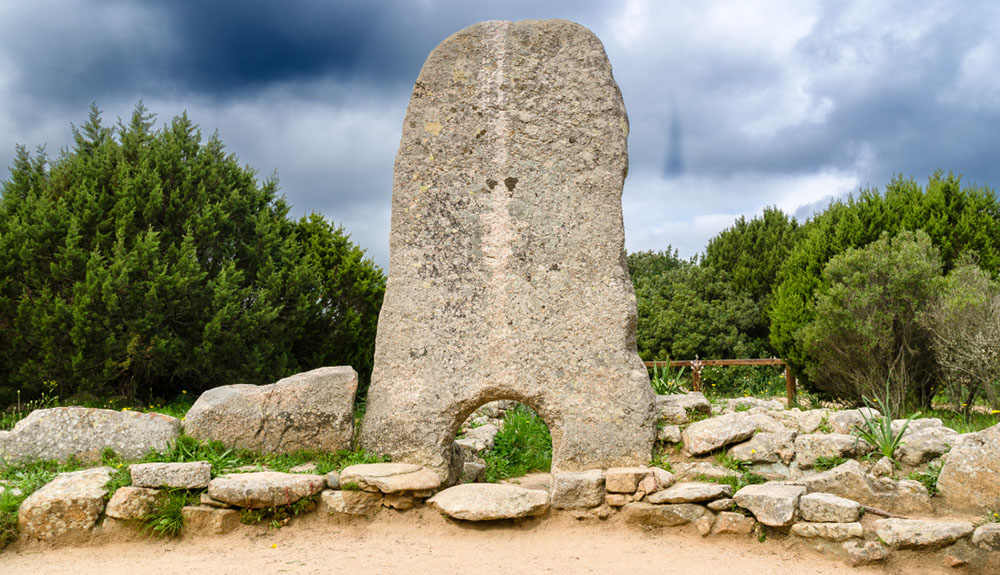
(502,440)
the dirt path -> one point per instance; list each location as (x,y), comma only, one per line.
(421,542)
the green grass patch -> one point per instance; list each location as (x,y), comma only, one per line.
(824,463)
(277,517)
(929,477)
(522,445)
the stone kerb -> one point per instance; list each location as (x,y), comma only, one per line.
(507,276)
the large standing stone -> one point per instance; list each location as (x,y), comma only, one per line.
(307,411)
(81,432)
(970,477)
(507,264)
(66,507)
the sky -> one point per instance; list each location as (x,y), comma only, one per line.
(733,105)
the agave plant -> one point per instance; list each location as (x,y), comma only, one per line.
(666,381)
(877,430)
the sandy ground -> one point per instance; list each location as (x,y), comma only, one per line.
(422,542)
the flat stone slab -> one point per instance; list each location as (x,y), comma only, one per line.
(919,534)
(707,435)
(65,508)
(772,504)
(828,508)
(63,432)
(188,475)
(507,253)
(828,531)
(691,492)
(489,501)
(313,410)
(264,488)
(390,477)
(647,514)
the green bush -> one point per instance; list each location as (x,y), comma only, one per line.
(522,445)
(144,262)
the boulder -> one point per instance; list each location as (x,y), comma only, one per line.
(308,411)
(922,445)
(64,432)
(772,504)
(208,520)
(390,477)
(133,502)
(828,531)
(265,488)
(811,446)
(191,475)
(691,493)
(489,501)
(507,253)
(710,434)
(826,508)
(850,481)
(645,514)
(920,534)
(767,447)
(730,523)
(578,489)
(970,477)
(66,508)
(362,503)
(987,536)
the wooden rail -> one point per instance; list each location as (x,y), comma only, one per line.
(697,364)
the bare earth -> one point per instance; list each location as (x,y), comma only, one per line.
(423,542)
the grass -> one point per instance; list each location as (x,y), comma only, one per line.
(522,445)
(929,478)
(976,420)
(277,517)
(824,463)
(167,519)
(737,482)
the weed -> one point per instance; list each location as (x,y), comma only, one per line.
(993,517)
(20,411)
(167,518)
(737,482)
(726,460)
(350,486)
(660,460)
(522,445)
(824,425)
(929,478)
(824,463)
(279,516)
(741,407)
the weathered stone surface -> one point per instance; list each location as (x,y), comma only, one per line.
(205,499)
(473,472)
(624,479)
(63,432)
(922,445)
(265,488)
(803,421)
(916,424)
(693,402)
(692,492)
(743,403)
(617,499)
(133,502)
(987,536)
(828,531)
(538,481)
(704,523)
(699,470)
(66,507)
(850,481)
(664,478)
(192,475)
(478,439)
(489,501)
(390,477)
(729,523)
(363,503)
(772,504)
(772,471)
(710,434)
(811,446)
(919,534)
(767,447)
(724,504)
(669,434)
(313,410)
(864,553)
(970,477)
(845,421)
(765,422)
(399,501)
(507,253)
(911,497)
(578,489)
(333,480)
(826,508)
(208,520)
(650,515)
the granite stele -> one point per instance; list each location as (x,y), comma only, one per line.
(507,275)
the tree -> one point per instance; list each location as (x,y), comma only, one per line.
(144,262)
(957,220)
(866,329)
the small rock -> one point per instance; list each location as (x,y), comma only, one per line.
(922,445)
(724,504)
(193,475)
(265,488)
(919,424)
(578,490)
(205,499)
(648,514)
(648,485)
(810,447)
(772,504)
(691,493)
(710,434)
(826,508)
(663,477)
(704,524)
(920,534)
(954,561)
(616,499)
(844,422)
(730,523)
(473,472)
(864,553)
(390,477)
(882,468)
(207,520)
(66,507)
(624,479)
(669,434)
(133,502)
(489,501)
(987,536)
(362,503)
(767,447)
(828,531)
(693,402)
(700,470)
(333,480)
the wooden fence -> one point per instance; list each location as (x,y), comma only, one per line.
(697,364)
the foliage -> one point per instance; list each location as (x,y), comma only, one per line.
(964,322)
(667,381)
(522,445)
(752,251)
(144,262)
(877,430)
(929,477)
(957,220)
(167,519)
(277,517)
(687,310)
(962,422)
(824,463)
(737,482)
(19,411)
(743,381)
(866,328)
